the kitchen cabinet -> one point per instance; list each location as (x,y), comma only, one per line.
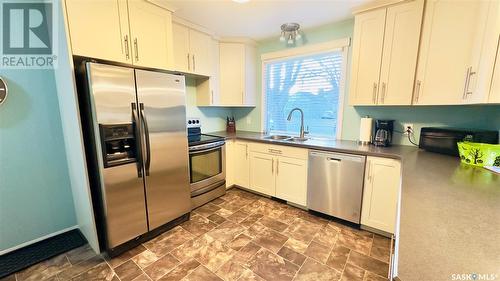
(399,55)
(262,174)
(85,17)
(241,164)
(229,163)
(291,180)
(151,35)
(279,171)
(495,84)
(237,74)
(133,31)
(450,51)
(207,89)
(368,41)
(191,50)
(380,194)
(385,49)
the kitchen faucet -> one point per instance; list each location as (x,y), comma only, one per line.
(302,133)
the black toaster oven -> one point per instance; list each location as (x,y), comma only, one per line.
(444,140)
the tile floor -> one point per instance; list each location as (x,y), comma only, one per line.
(240,236)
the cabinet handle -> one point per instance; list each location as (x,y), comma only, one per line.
(374,98)
(382,98)
(417,90)
(277,166)
(468,75)
(189,62)
(272,166)
(194,64)
(274,151)
(127,54)
(391,258)
(212,97)
(246,151)
(136,50)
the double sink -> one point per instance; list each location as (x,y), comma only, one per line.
(285,138)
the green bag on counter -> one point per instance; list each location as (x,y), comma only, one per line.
(479,154)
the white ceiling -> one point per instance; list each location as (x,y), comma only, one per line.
(259,19)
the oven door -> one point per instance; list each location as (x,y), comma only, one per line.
(207,166)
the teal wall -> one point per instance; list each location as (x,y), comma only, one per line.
(35,191)
(471,116)
(212,118)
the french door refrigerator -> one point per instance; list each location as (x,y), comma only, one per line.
(138,120)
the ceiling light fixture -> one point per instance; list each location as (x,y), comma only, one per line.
(290,32)
(241,1)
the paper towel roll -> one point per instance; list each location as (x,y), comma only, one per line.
(365,130)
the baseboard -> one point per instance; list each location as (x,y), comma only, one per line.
(3,252)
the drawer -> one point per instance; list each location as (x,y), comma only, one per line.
(279,150)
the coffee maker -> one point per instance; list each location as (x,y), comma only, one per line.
(383,132)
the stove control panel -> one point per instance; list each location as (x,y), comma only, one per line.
(193,123)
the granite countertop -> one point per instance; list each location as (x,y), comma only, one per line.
(450,212)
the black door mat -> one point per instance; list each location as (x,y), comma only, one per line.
(40,251)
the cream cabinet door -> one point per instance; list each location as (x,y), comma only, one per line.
(99,29)
(262,171)
(180,37)
(241,163)
(450,49)
(399,59)
(291,180)
(199,46)
(366,57)
(232,60)
(380,194)
(230,164)
(495,83)
(151,34)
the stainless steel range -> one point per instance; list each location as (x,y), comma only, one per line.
(207,165)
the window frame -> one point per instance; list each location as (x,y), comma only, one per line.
(341,45)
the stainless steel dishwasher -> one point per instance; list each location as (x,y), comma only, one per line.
(335,184)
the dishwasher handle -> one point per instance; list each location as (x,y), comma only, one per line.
(337,157)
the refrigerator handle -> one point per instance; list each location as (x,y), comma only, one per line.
(146,133)
(137,140)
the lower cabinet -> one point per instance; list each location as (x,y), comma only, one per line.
(381,192)
(279,171)
(237,163)
(262,174)
(291,180)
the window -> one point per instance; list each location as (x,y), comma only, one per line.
(311,82)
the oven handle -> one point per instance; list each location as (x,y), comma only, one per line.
(206,147)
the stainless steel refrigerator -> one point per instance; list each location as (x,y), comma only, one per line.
(139,134)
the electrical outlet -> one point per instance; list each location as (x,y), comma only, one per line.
(249,120)
(406,127)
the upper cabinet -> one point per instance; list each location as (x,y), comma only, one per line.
(366,57)
(192,53)
(237,74)
(151,35)
(495,84)
(112,42)
(385,49)
(453,35)
(133,31)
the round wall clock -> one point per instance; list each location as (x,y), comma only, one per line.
(3,90)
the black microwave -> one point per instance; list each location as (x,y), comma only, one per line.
(444,140)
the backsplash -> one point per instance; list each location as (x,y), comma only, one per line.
(212,118)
